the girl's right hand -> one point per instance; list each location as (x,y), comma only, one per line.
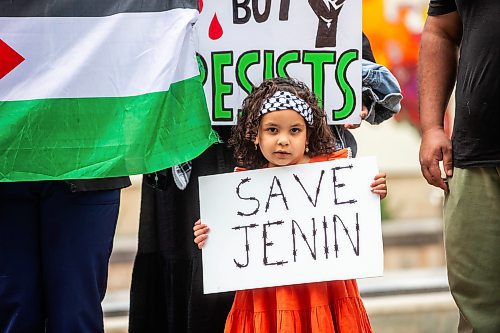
(200,233)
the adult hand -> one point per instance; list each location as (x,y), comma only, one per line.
(435,147)
(363,114)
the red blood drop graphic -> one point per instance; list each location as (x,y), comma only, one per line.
(215,30)
(200,5)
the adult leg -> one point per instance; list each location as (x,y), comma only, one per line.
(77,239)
(20,286)
(472,240)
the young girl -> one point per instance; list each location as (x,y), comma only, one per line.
(281,124)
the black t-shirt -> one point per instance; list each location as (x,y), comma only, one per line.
(476,131)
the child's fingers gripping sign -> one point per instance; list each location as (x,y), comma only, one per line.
(200,233)
(379,185)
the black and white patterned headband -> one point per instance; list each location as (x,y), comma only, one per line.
(284,100)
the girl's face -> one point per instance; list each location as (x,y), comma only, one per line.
(282,138)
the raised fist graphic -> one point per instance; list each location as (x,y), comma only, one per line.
(327,12)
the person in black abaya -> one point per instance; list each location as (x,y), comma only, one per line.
(167,288)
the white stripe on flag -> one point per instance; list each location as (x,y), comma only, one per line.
(125,54)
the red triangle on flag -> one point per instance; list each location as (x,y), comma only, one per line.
(9,59)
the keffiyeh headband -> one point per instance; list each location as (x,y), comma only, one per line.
(284,100)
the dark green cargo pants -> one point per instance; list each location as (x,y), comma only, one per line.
(472,242)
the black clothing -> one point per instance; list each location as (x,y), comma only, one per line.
(441,7)
(167,286)
(367,53)
(476,137)
(84,185)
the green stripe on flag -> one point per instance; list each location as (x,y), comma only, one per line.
(77,138)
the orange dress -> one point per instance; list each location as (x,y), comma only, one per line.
(322,307)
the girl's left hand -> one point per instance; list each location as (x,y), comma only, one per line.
(379,185)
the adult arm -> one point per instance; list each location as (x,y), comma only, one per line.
(437,69)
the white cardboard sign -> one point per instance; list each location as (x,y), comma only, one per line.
(242,42)
(288,225)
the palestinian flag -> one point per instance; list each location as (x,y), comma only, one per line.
(98,88)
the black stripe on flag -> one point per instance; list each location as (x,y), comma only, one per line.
(87,8)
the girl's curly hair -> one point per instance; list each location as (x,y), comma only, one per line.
(320,137)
